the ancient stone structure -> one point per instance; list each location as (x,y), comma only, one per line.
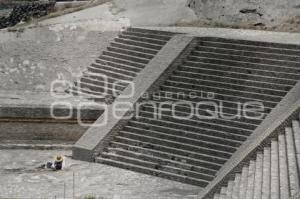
(120,64)
(193,150)
(157,134)
(271,169)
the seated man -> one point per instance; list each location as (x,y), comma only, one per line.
(57,164)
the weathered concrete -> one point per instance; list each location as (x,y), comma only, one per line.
(147,80)
(284,180)
(266,12)
(36,117)
(252,35)
(20,178)
(32,60)
(132,12)
(117,66)
(275,122)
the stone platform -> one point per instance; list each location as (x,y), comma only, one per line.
(41,121)
(21,179)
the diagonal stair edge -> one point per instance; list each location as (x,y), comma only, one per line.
(283,114)
(165,62)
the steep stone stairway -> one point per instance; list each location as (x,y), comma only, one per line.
(126,56)
(273,174)
(192,149)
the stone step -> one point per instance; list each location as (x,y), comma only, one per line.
(147,35)
(266,180)
(120,66)
(186,127)
(283,167)
(258,178)
(250,183)
(241,52)
(96,68)
(151,161)
(293,172)
(165,155)
(228,95)
(186,114)
(255,47)
(255,93)
(244,182)
(274,63)
(147,155)
(229,190)
(83,90)
(184,77)
(296,130)
(102,79)
(231,66)
(217,196)
(196,83)
(197,123)
(254,69)
(190,146)
(175,138)
(118,60)
(274,173)
(158,42)
(206,161)
(86,94)
(126,57)
(136,126)
(134,48)
(106,84)
(275,178)
(252,43)
(236,187)
(138,43)
(98,89)
(150,171)
(221,102)
(256,79)
(223,193)
(205,107)
(156,32)
(169,143)
(130,52)
(105,74)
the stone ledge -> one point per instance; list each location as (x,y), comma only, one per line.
(243,34)
(40,105)
(28,117)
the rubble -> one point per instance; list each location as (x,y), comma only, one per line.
(25,11)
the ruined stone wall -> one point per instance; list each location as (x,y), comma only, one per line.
(258,12)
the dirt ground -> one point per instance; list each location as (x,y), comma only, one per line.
(291,24)
(61,48)
(31,60)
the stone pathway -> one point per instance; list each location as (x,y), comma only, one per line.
(20,178)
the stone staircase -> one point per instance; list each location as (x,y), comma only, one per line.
(192,150)
(126,56)
(273,174)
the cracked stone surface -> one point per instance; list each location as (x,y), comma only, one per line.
(20,177)
(31,60)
